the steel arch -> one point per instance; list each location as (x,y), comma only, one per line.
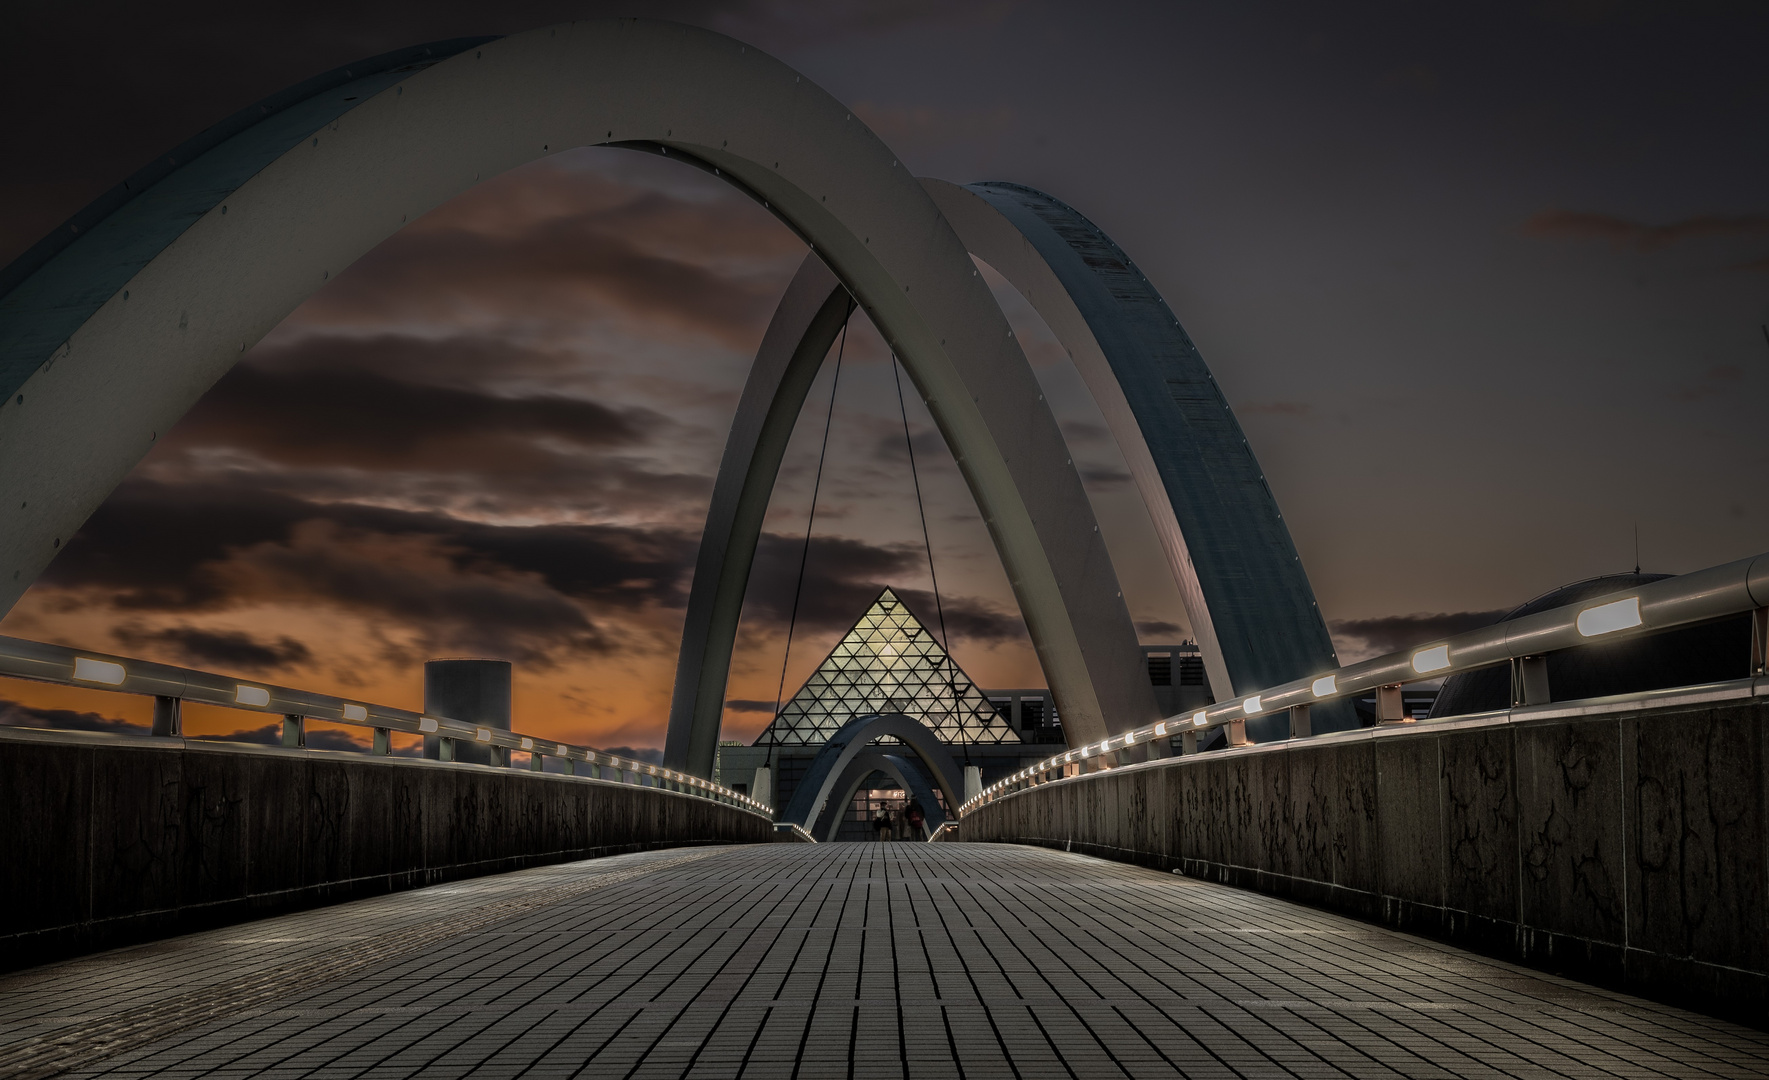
(319,179)
(1238,573)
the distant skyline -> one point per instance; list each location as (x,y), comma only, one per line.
(1486,293)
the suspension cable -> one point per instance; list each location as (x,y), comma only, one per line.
(945,642)
(805,552)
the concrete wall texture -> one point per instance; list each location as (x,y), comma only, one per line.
(1630,848)
(114,840)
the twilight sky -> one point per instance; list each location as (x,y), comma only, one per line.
(1485,291)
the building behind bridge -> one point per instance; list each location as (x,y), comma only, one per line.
(889,661)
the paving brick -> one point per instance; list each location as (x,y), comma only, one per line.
(839,960)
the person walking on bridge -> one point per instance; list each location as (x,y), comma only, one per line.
(883,824)
(915,818)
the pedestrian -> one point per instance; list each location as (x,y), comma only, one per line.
(917,819)
(883,824)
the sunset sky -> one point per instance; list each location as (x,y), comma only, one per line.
(1487,294)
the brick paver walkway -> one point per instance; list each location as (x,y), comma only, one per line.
(838,960)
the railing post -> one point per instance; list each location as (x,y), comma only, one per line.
(536,761)
(1188,743)
(445,749)
(1300,725)
(1389,707)
(1529,681)
(168,716)
(294,730)
(383,742)
(1236,732)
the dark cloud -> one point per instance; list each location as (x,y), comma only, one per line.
(356,417)
(749,705)
(648,754)
(1622,231)
(1392,633)
(228,649)
(843,576)
(522,592)
(14,714)
(711,268)
(1159,629)
(156,546)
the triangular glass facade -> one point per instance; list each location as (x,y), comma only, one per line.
(888,663)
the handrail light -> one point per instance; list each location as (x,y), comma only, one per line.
(1435,658)
(251,695)
(1199,719)
(1608,618)
(1161,729)
(1252,708)
(356,713)
(1326,686)
(482,735)
(426,725)
(99,671)
(527,743)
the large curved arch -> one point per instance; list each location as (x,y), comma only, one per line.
(237,249)
(827,769)
(1242,582)
(873,759)
(1231,556)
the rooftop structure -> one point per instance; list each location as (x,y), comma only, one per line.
(888,662)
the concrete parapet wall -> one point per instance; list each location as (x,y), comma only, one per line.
(1624,845)
(113,839)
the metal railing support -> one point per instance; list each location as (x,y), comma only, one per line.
(170,687)
(1300,725)
(1523,644)
(168,716)
(1529,681)
(1389,707)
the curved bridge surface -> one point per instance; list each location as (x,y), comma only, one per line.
(820,960)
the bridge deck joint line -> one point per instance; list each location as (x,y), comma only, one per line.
(900,960)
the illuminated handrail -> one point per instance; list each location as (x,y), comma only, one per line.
(1731,589)
(58,664)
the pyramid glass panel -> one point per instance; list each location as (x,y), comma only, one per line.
(888,662)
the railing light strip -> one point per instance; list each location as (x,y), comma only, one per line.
(99,671)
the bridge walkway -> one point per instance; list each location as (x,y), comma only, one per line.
(837,960)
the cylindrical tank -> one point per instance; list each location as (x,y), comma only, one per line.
(471,691)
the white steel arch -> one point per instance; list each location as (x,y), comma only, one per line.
(248,250)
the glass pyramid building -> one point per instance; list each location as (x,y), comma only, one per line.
(888,663)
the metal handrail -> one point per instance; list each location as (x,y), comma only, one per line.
(42,662)
(1733,588)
